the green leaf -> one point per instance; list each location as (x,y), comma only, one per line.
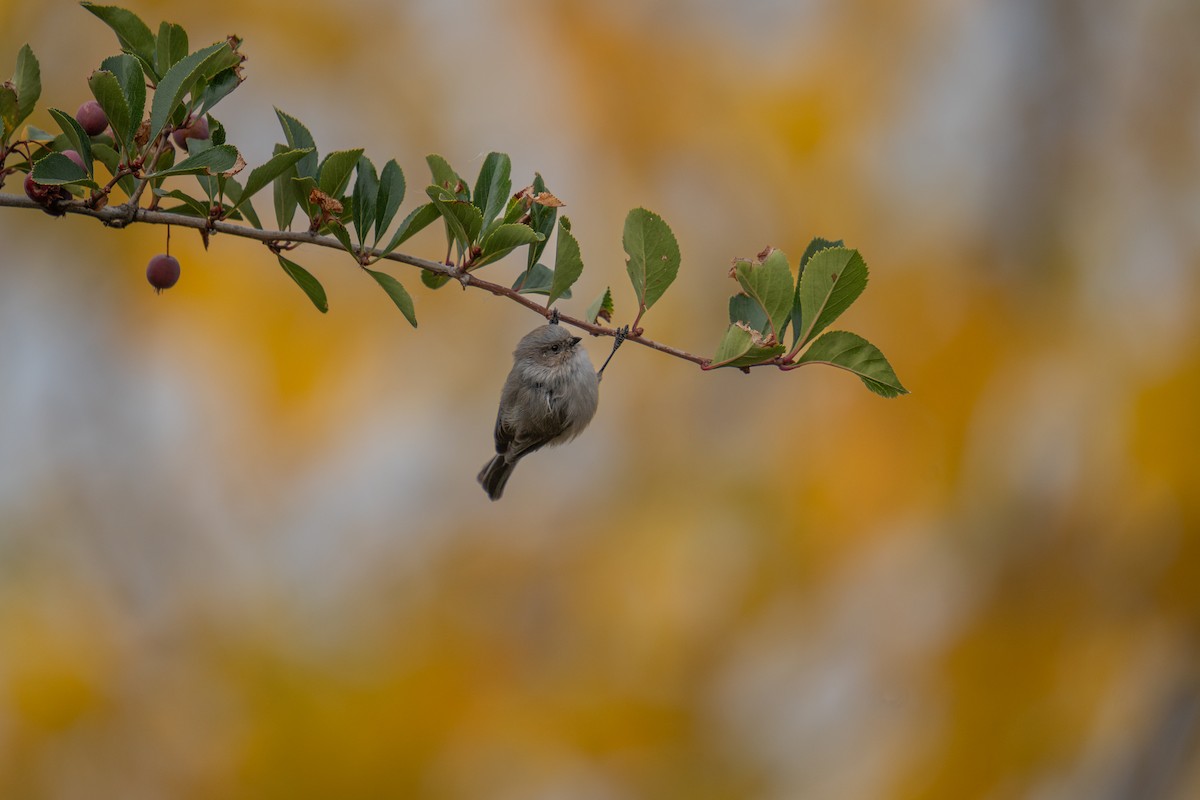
(397,292)
(27,81)
(108,93)
(284,192)
(111,159)
(743,346)
(194,207)
(58,170)
(9,112)
(220,86)
(133,34)
(241,202)
(133,86)
(391,194)
(445,177)
(602,306)
(536,281)
(851,352)
(463,220)
(434,280)
(304,279)
(299,138)
(744,309)
(503,240)
(303,187)
(417,219)
(493,186)
(541,219)
(832,280)
(343,236)
(180,79)
(166,160)
(80,142)
(333,176)
(815,246)
(366,195)
(653,255)
(568,262)
(768,281)
(262,175)
(171,46)
(212,161)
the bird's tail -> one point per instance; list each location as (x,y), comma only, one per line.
(494,475)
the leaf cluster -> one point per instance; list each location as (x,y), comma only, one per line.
(157,89)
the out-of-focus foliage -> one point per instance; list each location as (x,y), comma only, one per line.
(242,553)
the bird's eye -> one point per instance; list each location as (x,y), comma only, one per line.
(555,348)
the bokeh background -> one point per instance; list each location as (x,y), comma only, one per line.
(243,554)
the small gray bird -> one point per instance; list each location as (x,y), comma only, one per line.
(549,397)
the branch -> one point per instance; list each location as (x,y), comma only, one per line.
(120,216)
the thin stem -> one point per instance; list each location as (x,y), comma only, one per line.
(125,214)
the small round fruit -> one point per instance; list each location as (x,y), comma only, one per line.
(91,118)
(74,156)
(198,129)
(49,198)
(162,272)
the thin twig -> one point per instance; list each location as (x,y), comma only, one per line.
(279,240)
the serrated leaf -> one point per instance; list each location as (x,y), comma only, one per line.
(194,207)
(333,176)
(27,81)
(768,281)
(133,35)
(815,246)
(171,46)
(283,191)
(568,262)
(339,232)
(129,75)
(219,87)
(417,219)
(58,170)
(541,219)
(241,203)
(262,175)
(391,195)
(299,138)
(493,186)
(535,281)
(853,353)
(213,161)
(463,220)
(446,178)
(366,196)
(111,159)
(744,309)
(653,255)
(9,112)
(81,143)
(742,346)
(602,306)
(832,280)
(503,240)
(398,293)
(434,280)
(179,80)
(304,279)
(108,93)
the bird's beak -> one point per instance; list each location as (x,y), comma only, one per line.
(576,340)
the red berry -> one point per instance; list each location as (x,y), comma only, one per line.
(162,272)
(48,197)
(78,159)
(91,118)
(198,129)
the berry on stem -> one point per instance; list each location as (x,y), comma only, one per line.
(91,118)
(197,129)
(162,271)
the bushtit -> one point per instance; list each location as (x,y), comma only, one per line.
(549,398)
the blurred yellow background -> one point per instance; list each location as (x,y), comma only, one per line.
(243,553)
